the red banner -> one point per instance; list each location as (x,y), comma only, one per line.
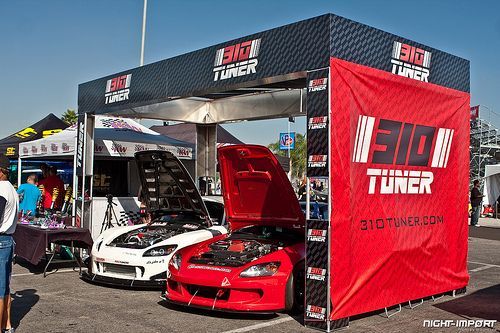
(474,112)
(399,180)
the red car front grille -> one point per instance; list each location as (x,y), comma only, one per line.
(208,292)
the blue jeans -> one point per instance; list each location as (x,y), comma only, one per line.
(6,253)
(474,219)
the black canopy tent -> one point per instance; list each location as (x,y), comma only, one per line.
(45,127)
(263,76)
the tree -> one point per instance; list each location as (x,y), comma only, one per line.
(70,117)
(298,156)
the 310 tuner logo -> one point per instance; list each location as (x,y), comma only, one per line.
(117,89)
(317,123)
(236,60)
(316,312)
(317,161)
(315,273)
(317,84)
(316,235)
(410,61)
(397,145)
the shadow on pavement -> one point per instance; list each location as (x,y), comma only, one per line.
(219,314)
(483,303)
(38,269)
(22,302)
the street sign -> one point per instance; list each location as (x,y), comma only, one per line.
(287,141)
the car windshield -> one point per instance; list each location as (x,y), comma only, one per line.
(268,233)
(216,211)
(179,218)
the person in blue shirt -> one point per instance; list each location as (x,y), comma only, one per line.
(29,195)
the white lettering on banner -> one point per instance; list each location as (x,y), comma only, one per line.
(400,181)
(411,71)
(410,61)
(236,60)
(406,144)
(235,70)
(81,132)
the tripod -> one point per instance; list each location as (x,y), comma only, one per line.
(107,222)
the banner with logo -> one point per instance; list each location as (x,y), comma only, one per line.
(317,123)
(317,300)
(287,141)
(399,181)
(474,112)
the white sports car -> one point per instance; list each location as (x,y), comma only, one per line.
(138,256)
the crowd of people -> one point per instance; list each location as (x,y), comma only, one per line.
(46,192)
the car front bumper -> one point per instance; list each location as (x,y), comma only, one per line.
(124,283)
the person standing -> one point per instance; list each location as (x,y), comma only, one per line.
(9,205)
(475,200)
(53,181)
(30,196)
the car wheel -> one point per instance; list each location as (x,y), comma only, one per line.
(295,288)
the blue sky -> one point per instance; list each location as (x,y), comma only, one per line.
(49,47)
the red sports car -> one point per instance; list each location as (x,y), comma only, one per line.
(259,266)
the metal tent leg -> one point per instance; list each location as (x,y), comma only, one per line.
(392,314)
(416,304)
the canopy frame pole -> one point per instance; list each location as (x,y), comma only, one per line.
(19,162)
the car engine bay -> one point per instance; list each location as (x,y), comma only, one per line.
(149,235)
(243,247)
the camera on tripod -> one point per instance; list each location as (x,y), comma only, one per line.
(110,199)
(107,222)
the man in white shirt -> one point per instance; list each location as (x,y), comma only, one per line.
(9,205)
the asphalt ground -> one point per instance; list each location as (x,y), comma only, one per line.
(62,302)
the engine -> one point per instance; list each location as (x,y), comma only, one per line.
(147,236)
(235,252)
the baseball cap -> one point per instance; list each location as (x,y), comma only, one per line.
(4,162)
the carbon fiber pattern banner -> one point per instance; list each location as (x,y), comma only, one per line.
(316,296)
(399,183)
(290,49)
(365,45)
(317,123)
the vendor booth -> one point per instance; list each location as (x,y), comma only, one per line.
(115,173)
(387,135)
(491,188)
(9,146)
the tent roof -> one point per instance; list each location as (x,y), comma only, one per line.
(112,136)
(187,132)
(212,85)
(491,170)
(49,125)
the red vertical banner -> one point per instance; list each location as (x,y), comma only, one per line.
(474,112)
(399,180)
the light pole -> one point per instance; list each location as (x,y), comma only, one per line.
(144,12)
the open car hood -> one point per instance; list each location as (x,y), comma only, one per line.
(166,185)
(256,189)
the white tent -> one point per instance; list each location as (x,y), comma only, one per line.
(114,137)
(491,189)
(119,137)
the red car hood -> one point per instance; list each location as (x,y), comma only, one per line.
(256,189)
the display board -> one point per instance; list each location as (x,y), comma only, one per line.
(399,184)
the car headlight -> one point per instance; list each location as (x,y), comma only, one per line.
(176,261)
(266,269)
(160,251)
